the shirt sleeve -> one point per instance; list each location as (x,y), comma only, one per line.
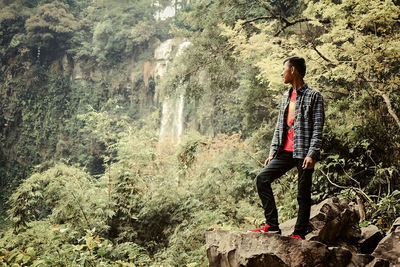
(278,129)
(318,116)
(275,142)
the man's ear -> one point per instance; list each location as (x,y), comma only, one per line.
(292,69)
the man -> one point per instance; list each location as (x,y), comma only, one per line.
(296,143)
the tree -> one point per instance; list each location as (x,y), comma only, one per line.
(50,28)
(115,29)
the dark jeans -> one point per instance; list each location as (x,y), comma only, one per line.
(278,166)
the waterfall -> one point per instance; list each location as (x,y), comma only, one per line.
(172,117)
(181,103)
(164,119)
(165,12)
(180,119)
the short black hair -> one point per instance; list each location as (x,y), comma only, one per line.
(299,63)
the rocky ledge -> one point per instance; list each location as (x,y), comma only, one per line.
(334,239)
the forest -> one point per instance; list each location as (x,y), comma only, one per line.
(128,128)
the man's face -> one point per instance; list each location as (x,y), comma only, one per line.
(287,73)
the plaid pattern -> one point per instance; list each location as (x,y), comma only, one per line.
(308,124)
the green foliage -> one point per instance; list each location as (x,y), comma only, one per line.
(44,115)
(145,208)
(108,193)
(351,58)
(215,191)
(386,210)
(58,195)
(30,128)
(52,213)
(115,29)
(187,156)
(50,28)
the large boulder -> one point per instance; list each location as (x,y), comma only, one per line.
(333,222)
(229,248)
(232,249)
(389,247)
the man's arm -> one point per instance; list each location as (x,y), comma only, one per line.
(318,117)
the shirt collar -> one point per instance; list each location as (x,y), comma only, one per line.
(300,90)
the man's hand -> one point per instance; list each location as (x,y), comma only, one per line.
(308,163)
(267,161)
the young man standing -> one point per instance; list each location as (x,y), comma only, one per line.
(296,143)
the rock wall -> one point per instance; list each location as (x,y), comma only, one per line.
(135,76)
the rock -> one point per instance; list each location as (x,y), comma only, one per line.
(163,51)
(370,237)
(378,263)
(389,247)
(339,256)
(361,260)
(344,257)
(333,222)
(96,75)
(233,248)
(288,226)
(334,239)
(229,248)
(77,72)
(67,65)
(395,225)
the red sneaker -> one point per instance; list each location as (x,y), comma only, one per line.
(296,236)
(264,228)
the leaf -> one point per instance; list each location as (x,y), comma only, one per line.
(38,263)
(26,259)
(19,257)
(30,251)
(364,223)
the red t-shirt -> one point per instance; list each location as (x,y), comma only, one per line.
(290,121)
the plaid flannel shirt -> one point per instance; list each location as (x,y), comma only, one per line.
(308,124)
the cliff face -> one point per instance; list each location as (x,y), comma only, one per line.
(334,240)
(137,79)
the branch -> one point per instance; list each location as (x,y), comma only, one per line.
(361,208)
(259,18)
(348,175)
(388,105)
(196,68)
(290,23)
(358,191)
(80,207)
(259,162)
(322,56)
(287,23)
